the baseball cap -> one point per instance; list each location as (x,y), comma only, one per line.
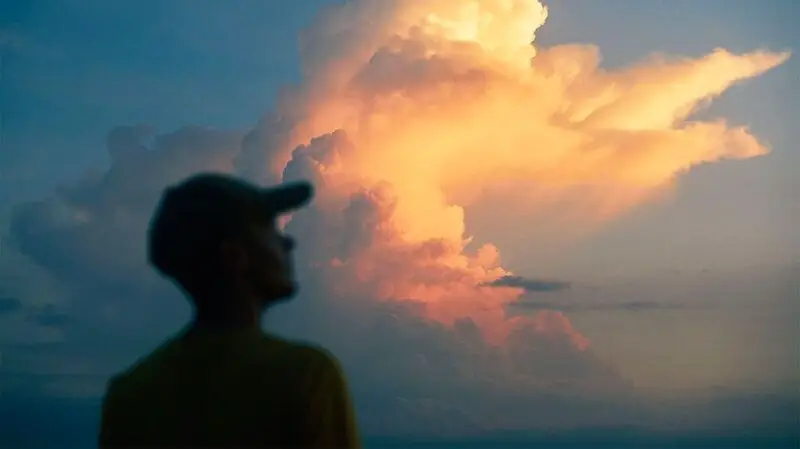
(205,206)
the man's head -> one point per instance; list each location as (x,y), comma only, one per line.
(213,231)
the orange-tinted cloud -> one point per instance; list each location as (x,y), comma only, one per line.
(411,111)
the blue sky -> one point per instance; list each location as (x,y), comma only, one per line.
(716,262)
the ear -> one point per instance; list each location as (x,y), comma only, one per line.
(233,255)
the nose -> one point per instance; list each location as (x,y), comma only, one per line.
(288,243)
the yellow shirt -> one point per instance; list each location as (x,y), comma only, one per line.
(224,389)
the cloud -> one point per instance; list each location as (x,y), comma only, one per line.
(404,121)
(418,114)
(628,306)
(9,304)
(95,225)
(49,315)
(529,285)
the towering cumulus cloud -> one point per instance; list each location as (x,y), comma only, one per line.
(413,110)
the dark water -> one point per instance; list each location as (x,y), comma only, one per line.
(787,442)
(591,445)
(47,424)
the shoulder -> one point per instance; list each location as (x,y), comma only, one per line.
(310,353)
(138,372)
(314,361)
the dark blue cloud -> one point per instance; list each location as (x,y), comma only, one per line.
(628,306)
(529,284)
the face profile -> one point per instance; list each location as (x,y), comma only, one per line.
(267,266)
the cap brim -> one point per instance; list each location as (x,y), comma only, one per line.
(287,197)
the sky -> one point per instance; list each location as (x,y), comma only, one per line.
(572,215)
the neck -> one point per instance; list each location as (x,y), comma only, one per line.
(226,319)
(231,310)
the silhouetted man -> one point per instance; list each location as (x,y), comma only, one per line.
(222,382)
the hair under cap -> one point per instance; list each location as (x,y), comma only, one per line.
(202,209)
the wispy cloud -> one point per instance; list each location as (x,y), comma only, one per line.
(48,315)
(529,284)
(627,306)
